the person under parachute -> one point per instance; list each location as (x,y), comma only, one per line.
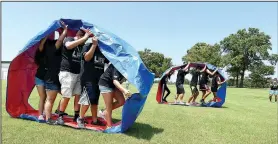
(164,81)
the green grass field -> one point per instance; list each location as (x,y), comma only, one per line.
(247,117)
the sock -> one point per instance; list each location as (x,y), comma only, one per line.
(76,113)
(61,113)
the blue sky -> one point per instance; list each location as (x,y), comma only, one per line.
(167,27)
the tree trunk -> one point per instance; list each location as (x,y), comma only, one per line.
(237,79)
(241,79)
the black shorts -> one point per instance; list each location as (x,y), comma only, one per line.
(180,89)
(90,93)
(194,89)
(203,87)
(214,89)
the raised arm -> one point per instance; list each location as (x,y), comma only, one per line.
(89,55)
(73,44)
(59,42)
(211,73)
(204,68)
(219,81)
(187,66)
(42,44)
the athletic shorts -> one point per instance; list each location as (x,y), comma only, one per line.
(70,84)
(39,82)
(180,89)
(104,89)
(194,89)
(203,87)
(52,87)
(214,89)
(273,92)
(90,94)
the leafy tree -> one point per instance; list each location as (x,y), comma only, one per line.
(244,49)
(259,75)
(203,52)
(155,62)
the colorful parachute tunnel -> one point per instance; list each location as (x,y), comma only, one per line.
(221,91)
(122,55)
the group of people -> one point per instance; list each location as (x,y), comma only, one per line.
(74,68)
(273,90)
(200,76)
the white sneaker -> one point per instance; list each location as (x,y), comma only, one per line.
(175,102)
(181,102)
(101,114)
(41,117)
(187,103)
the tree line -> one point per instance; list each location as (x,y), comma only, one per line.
(247,50)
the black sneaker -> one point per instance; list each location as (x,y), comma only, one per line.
(164,100)
(51,122)
(80,122)
(60,121)
(100,123)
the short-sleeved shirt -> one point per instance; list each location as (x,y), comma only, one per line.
(214,81)
(71,58)
(53,61)
(93,69)
(165,79)
(195,78)
(40,61)
(110,74)
(204,78)
(273,87)
(180,77)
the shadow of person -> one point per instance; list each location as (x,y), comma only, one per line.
(142,130)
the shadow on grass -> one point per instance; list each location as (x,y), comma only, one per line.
(142,131)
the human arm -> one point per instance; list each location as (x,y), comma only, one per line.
(41,46)
(59,42)
(203,69)
(75,43)
(117,77)
(89,55)
(211,73)
(187,66)
(219,81)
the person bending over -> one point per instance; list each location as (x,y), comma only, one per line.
(180,82)
(53,59)
(203,85)
(193,84)
(164,81)
(110,87)
(215,83)
(69,72)
(92,67)
(273,90)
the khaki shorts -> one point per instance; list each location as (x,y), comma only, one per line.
(70,84)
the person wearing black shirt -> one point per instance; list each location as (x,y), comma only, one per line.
(92,67)
(273,90)
(180,82)
(193,84)
(110,87)
(215,83)
(52,58)
(203,85)
(164,84)
(39,78)
(69,75)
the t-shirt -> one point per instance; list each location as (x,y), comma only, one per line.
(204,78)
(40,61)
(195,78)
(71,58)
(214,83)
(180,77)
(165,79)
(109,75)
(273,87)
(53,61)
(93,69)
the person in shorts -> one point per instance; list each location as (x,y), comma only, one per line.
(53,59)
(92,67)
(180,82)
(203,85)
(39,77)
(110,87)
(273,90)
(193,84)
(215,83)
(69,75)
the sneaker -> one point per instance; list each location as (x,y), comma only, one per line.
(98,122)
(181,102)
(41,118)
(164,101)
(188,104)
(80,122)
(51,122)
(60,121)
(101,114)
